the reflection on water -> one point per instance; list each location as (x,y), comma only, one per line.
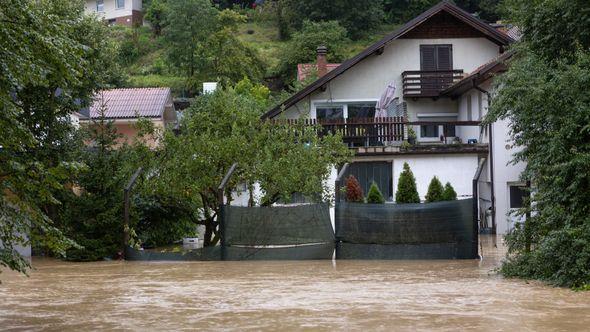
(358,295)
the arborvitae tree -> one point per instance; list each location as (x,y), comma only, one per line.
(449,193)
(435,191)
(354,192)
(375,196)
(406,187)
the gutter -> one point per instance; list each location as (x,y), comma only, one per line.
(491,152)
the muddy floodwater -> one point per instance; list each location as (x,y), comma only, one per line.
(302,295)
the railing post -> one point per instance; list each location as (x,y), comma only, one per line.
(126,210)
(220,201)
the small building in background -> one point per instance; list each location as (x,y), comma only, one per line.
(126,106)
(120,12)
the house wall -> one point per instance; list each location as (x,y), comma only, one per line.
(127,129)
(130,14)
(368,79)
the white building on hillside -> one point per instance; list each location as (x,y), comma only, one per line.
(442,63)
(122,12)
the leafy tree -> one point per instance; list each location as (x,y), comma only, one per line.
(435,191)
(223,128)
(302,47)
(224,57)
(401,11)
(188,24)
(544,96)
(354,192)
(375,196)
(53,58)
(449,193)
(358,17)
(406,187)
(259,92)
(156,15)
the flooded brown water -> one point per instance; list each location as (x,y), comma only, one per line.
(316,295)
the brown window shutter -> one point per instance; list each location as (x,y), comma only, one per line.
(427,57)
(444,57)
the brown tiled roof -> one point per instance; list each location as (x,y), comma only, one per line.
(130,103)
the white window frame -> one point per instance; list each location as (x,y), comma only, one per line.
(100,9)
(335,103)
(117,4)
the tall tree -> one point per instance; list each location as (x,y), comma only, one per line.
(225,128)
(544,95)
(52,59)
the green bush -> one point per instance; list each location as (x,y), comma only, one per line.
(375,196)
(435,191)
(406,187)
(449,193)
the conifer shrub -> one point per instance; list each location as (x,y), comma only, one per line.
(449,193)
(435,191)
(375,196)
(406,187)
(354,192)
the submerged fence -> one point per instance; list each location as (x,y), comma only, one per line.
(441,230)
(279,232)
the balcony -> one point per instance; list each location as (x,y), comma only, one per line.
(361,131)
(428,84)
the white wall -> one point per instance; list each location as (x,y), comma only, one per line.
(110,11)
(458,169)
(368,79)
(504,173)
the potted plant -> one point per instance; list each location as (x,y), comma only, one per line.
(411,136)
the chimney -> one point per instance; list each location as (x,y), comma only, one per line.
(322,64)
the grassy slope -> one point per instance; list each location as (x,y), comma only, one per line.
(265,39)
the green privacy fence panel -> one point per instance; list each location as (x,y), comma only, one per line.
(398,231)
(277,225)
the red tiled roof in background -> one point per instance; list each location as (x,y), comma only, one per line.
(304,69)
(131,103)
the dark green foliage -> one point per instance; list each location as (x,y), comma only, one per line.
(354,192)
(358,17)
(545,96)
(435,191)
(401,11)
(449,193)
(375,196)
(53,58)
(406,187)
(155,14)
(303,46)
(163,220)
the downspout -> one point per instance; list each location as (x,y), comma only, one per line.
(491,144)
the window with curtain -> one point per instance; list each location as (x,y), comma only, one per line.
(330,112)
(120,3)
(364,110)
(100,5)
(429,131)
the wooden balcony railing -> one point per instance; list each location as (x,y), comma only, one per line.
(417,83)
(361,131)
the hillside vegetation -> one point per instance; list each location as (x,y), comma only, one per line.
(192,41)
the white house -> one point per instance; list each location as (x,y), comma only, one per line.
(442,63)
(122,12)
